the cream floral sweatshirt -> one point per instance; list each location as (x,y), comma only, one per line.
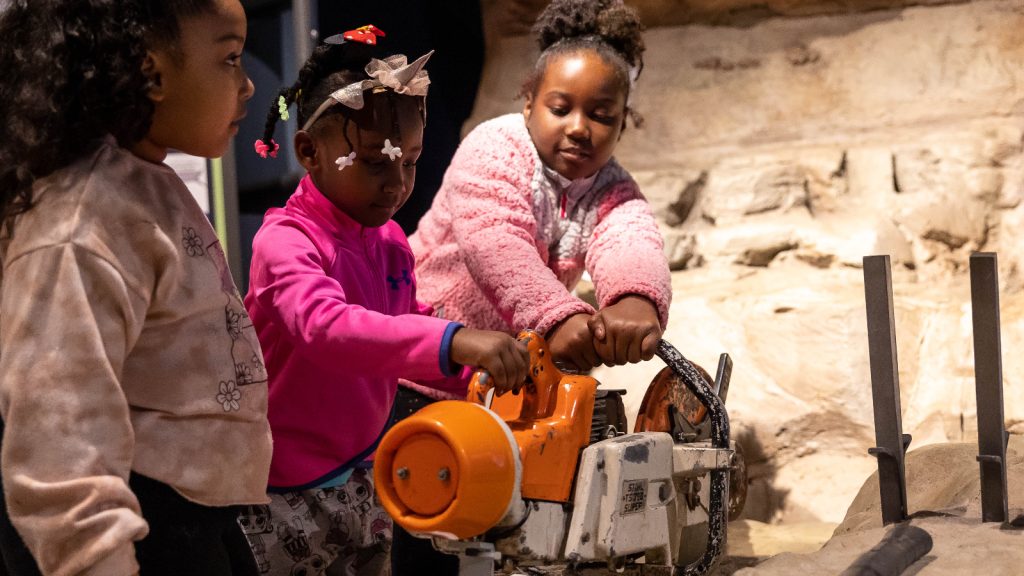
(124,346)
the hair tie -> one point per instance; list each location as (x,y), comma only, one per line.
(282,108)
(264,150)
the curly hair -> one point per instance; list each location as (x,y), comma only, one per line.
(328,68)
(608,27)
(72,76)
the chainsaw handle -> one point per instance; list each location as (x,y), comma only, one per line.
(717,511)
(691,377)
(540,390)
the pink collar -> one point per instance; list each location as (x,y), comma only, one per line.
(336,220)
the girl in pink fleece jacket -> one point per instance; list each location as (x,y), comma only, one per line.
(333,299)
(532,200)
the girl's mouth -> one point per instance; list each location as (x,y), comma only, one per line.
(574,154)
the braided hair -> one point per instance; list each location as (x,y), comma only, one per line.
(72,76)
(329,68)
(608,27)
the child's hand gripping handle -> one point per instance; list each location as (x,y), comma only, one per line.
(501,357)
(541,384)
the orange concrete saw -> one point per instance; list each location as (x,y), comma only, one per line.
(549,475)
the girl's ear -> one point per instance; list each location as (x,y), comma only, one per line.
(153,68)
(528,106)
(305,150)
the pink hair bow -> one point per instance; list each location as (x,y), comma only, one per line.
(263,149)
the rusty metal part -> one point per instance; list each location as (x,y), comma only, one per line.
(737,483)
(666,391)
(988,386)
(891,442)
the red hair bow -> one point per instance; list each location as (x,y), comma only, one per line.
(366,34)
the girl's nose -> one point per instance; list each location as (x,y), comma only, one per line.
(578,127)
(248,89)
(395,183)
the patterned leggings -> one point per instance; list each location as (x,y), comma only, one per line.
(339,531)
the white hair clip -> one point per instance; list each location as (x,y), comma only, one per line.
(345,161)
(392,151)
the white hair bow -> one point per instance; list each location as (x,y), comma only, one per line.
(394,72)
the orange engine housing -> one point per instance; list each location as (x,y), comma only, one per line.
(550,420)
(456,468)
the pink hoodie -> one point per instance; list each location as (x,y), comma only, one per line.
(507,238)
(334,305)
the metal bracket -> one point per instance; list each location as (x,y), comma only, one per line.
(891,442)
(723,375)
(988,386)
(476,557)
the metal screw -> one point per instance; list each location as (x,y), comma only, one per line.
(443,474)
(402,473)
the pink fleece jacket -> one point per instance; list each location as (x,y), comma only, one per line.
(334,305)
(507,238)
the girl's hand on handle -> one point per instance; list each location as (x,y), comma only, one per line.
(627,331)
(507,361)
(572,342)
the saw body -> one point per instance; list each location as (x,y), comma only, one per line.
(549,475)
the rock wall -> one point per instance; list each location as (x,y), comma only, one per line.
(777,154)
(514,17)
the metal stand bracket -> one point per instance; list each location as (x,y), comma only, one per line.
(891,442)
(988,386)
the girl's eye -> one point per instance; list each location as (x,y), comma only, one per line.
(409,164)
(604,116)
(234,60)
(375,164)
(559,111)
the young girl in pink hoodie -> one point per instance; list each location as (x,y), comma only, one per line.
(532,200)
(333,298)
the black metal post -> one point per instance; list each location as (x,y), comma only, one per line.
(988,382)
(891,443)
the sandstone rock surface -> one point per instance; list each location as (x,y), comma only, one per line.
(943,494)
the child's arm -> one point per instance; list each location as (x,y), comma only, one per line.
(488,195)
(627,262)
(291,288)
(496,352)
(69,321)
